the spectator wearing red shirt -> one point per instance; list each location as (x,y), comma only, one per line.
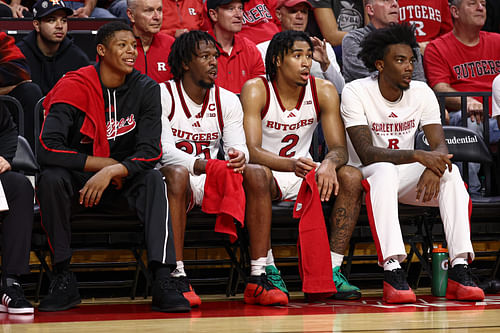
(153,46)
(431,18)
(182,16)
(239,60)
(465,59)
(259,20)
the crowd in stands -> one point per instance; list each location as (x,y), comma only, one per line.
(259,75)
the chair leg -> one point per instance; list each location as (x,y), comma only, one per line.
(350,255)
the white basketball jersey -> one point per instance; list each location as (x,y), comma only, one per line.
(392,124)
(197,129)
(289,133)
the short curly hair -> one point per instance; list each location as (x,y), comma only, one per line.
(375,45)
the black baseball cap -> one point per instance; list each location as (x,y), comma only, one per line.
(43,8)
(212,4)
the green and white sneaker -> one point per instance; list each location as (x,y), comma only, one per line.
(274,276)
(345,290)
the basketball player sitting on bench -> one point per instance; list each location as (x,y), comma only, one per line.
(382,114)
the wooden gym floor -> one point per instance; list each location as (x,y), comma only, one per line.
(221,314)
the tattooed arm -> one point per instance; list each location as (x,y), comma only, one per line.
(437,160)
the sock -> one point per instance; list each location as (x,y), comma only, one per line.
(179,271)
(391,264)
(458,261)
(258,267)
(270,258)
(337,259)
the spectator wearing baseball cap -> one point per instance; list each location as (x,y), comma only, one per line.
(48,49)
(293,15)
(239,58)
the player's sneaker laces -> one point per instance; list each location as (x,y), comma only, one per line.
(396,288)
(274,276)
(167,297)
(63,293)
(345,290)
(13,300)
(260,291)
(187,290)
(461,286)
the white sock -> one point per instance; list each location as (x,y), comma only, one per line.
(270,258)
(459,261)
(258,267)
(337,259)
(391,264)
(179,271)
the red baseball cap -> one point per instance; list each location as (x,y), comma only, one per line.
(291,3)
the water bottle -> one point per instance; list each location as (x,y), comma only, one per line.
(439,271)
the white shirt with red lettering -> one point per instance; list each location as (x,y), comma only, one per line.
(392,124)
(191,131)
(289,133)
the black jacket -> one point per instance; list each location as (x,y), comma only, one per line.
(8,134)
(46,71)
(135,142)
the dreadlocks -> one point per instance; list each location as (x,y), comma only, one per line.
(281,43)
(183,49)
(376,43)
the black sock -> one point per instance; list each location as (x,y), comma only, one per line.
(9,279)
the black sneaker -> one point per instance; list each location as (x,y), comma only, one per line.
(63,293)
(13,300)
(461,285)
(167,297)
(183,285)
(396,288)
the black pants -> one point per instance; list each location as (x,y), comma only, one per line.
(17,223)
(58,193)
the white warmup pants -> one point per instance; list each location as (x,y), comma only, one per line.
(385,184)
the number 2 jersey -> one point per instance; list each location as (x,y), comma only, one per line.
(191,131)
(289,133)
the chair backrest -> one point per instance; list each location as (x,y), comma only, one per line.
(39,116)
(16,111)
(24,160)
(463,143)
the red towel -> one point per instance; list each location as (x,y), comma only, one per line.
(224,196)
(82,89)
(315,263)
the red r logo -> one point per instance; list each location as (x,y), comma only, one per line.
(393,144)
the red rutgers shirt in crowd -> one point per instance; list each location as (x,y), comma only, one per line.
(431,17)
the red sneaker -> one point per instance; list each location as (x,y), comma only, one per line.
(396,289)
(260,291)
(461,286)
(187,290)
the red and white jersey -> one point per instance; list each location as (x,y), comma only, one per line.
(197,129)
(392,124)
(289,133)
